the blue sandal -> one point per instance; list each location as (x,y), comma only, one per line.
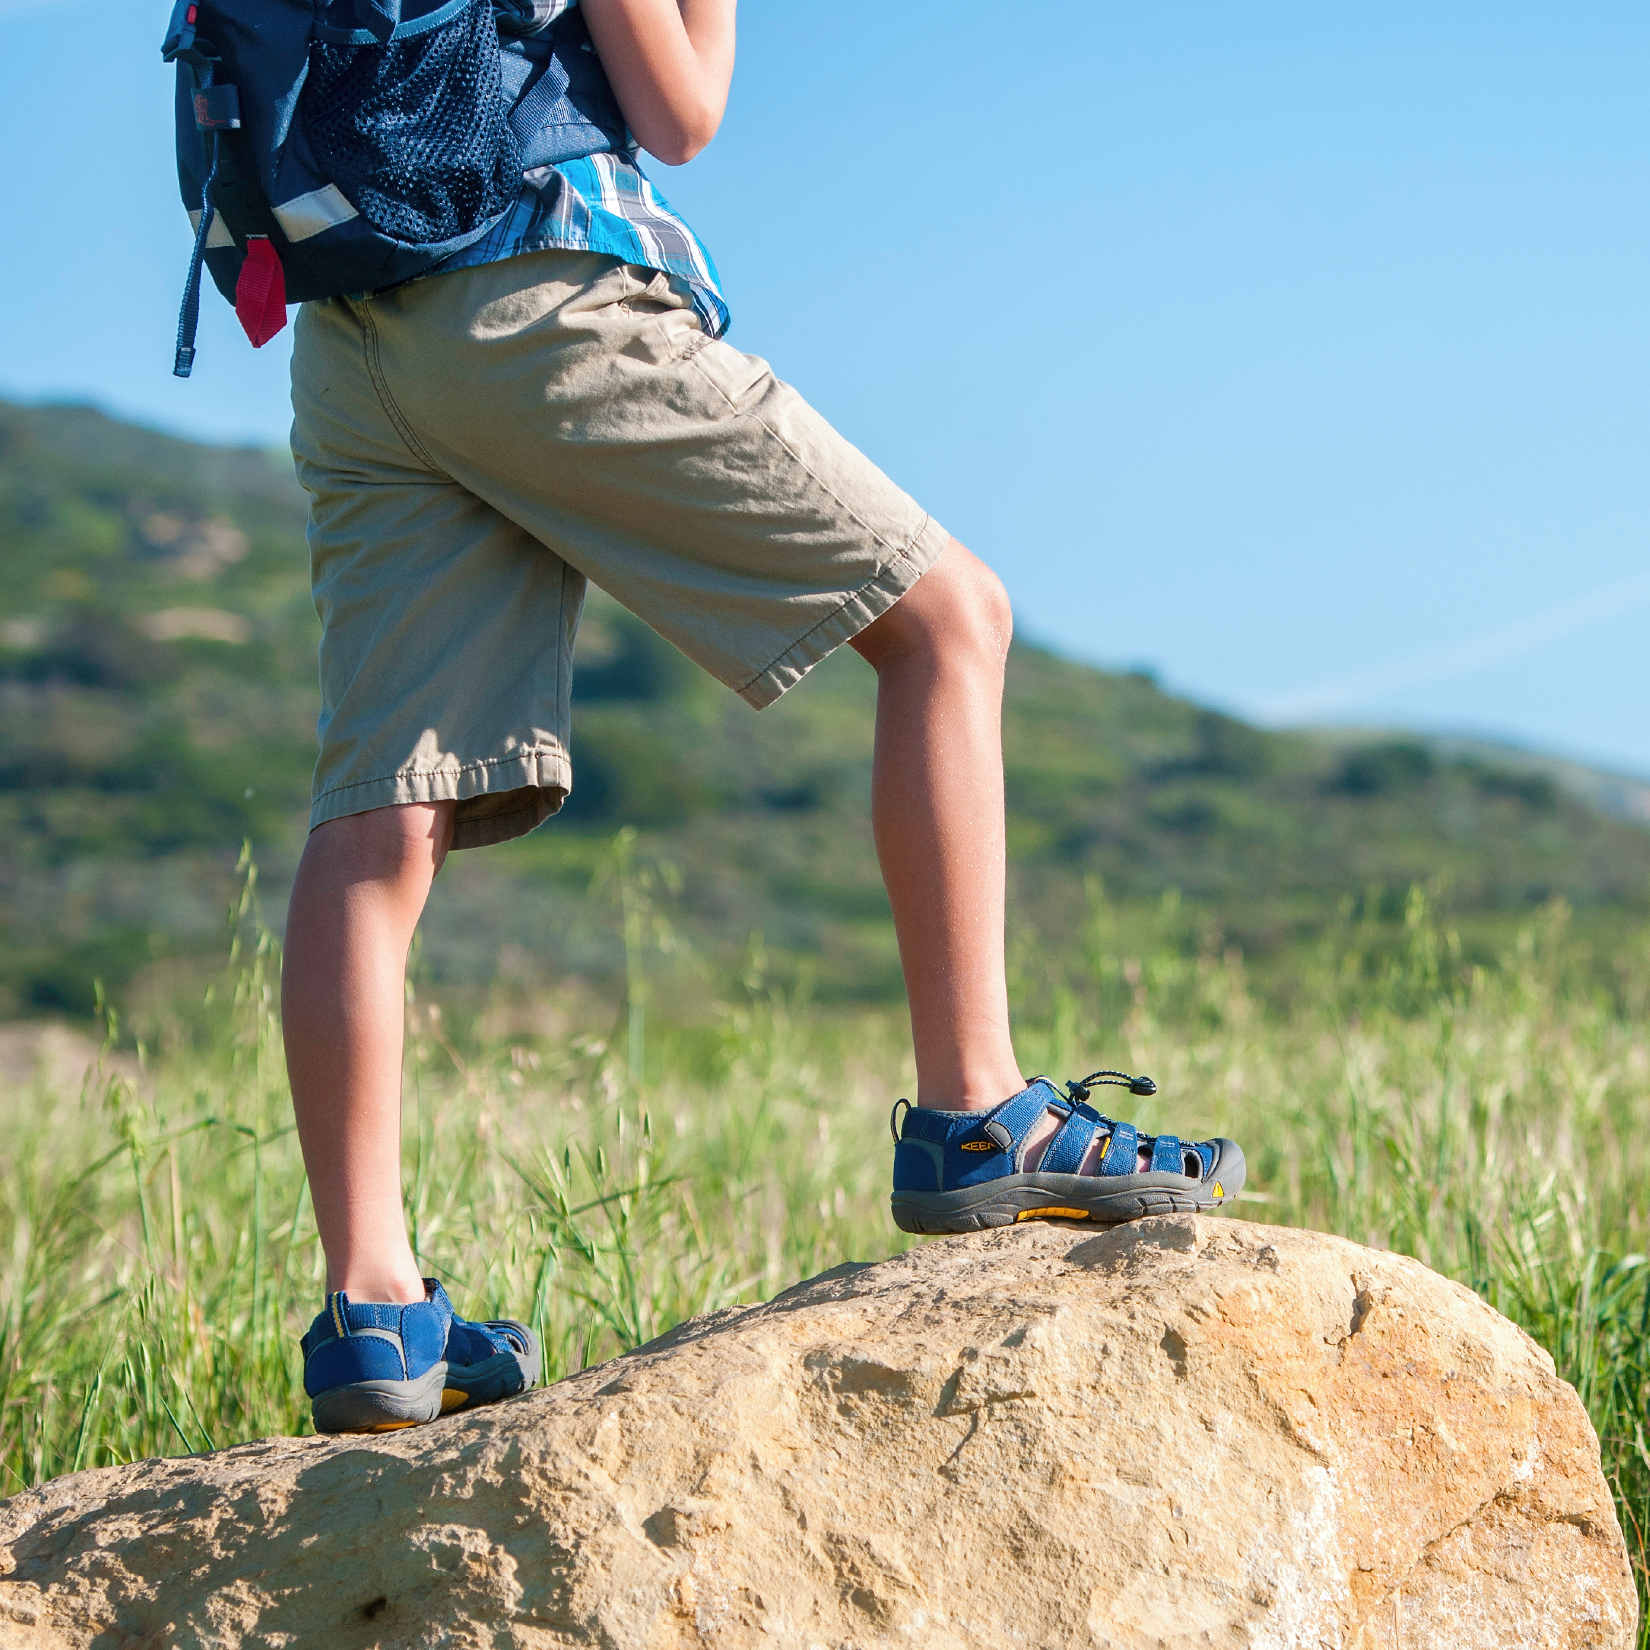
(964,1171)
(374,1367)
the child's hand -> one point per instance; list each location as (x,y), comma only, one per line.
(669,63)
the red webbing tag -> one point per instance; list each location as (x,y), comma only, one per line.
(260,291)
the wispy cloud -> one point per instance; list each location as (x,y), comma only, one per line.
(1492,647)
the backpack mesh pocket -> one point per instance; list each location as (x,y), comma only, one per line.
(415,130)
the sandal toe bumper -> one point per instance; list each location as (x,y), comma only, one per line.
(513,1369)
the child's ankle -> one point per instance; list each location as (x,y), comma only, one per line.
(970,1093)
(384,1285)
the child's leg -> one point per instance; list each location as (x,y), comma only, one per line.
(937,810)
(360,888)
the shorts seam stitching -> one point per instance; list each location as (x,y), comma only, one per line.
(695,344)
(899,557)
(436,773)
(801,463)
(375,370)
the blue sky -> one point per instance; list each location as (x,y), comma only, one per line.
(1298,352)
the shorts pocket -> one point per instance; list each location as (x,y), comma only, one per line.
(667,326)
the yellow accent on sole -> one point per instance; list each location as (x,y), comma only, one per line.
(1051,1214)
(390,1426)
(1220,1191)
(452,1398)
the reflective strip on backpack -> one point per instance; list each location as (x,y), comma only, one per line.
(218,236)
(310,214)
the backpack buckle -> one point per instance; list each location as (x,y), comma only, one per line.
(180,31)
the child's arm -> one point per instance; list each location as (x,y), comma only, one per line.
(669,63)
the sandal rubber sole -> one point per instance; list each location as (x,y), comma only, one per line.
(380,1406)
(1104,1200)
(387,1406)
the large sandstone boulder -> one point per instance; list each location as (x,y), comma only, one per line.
(1181,1432)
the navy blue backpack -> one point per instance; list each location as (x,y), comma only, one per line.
(334,147)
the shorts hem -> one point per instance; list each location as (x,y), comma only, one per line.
(861,609)
(512,795)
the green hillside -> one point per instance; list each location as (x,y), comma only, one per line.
(157,680)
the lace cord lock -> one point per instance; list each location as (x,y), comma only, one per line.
(1079,1090)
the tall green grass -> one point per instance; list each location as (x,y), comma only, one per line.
(160,1258)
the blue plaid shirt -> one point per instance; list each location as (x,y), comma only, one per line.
(602,203)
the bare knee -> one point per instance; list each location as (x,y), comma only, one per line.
(957,612)
(397,845)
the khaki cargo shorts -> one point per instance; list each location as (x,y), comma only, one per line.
(479,444)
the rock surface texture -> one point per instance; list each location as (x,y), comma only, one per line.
(1181,1432)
